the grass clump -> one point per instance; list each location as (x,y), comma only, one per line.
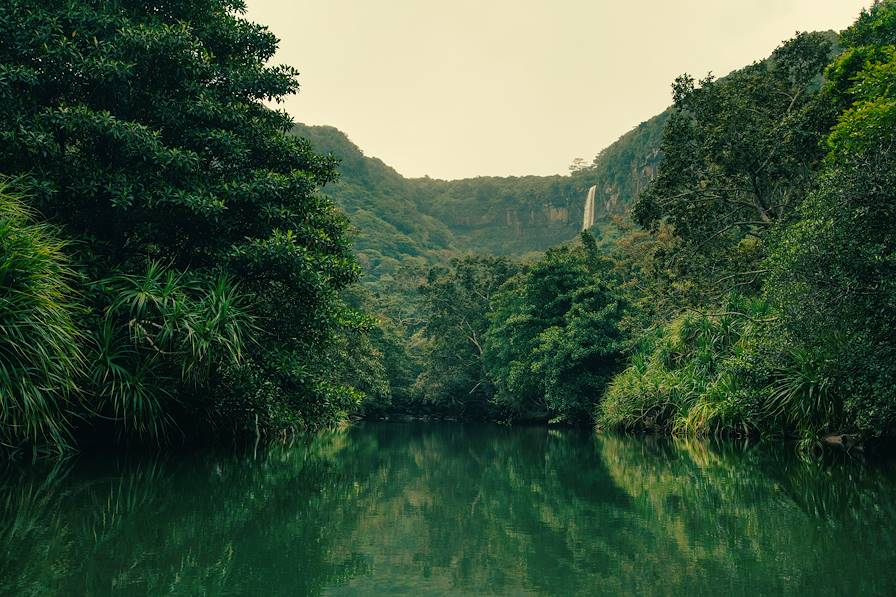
(688,376)
(41,346)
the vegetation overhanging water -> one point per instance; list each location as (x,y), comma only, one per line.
(179,261)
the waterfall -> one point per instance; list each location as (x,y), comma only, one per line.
(588,220)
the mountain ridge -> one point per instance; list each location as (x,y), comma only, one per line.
(402,222)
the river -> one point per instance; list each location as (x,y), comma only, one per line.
(452,509)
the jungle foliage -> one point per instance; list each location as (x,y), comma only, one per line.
(181,260)
(193,276)
(779,191)
(753,293)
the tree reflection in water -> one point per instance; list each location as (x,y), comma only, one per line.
(450,508)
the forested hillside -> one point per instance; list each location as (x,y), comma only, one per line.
(625,168)
(392,227)
(419,222)
(750,295)
(176,257)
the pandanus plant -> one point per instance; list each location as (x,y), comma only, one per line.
(161,337)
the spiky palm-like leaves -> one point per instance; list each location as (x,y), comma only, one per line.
(162,336)
(803,393)
(40,342)
(688,378)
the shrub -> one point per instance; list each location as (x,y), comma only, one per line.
(41,347)
(687,376)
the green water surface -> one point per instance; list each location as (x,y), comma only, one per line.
(392,508)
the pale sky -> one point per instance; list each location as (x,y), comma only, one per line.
(462,88)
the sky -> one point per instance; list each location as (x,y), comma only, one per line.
(463,88)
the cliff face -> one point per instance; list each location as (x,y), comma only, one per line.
(625,168)
(508,216)
(518,214)
(425,219)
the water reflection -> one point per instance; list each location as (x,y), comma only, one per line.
(439,509)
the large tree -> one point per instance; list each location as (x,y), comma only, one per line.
(739,155)
(554,339)
(141,128)
(833,272)
(456,302)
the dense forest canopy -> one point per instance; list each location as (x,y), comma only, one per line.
(199,266)
(751,293)
(181,260)
(404,223)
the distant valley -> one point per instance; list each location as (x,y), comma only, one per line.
(421,221)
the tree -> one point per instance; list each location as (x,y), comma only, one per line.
(578,165)
(739,155)
(456,305)
(554,339)
(140,128)
(833,272)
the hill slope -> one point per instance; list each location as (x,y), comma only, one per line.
(402,221)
